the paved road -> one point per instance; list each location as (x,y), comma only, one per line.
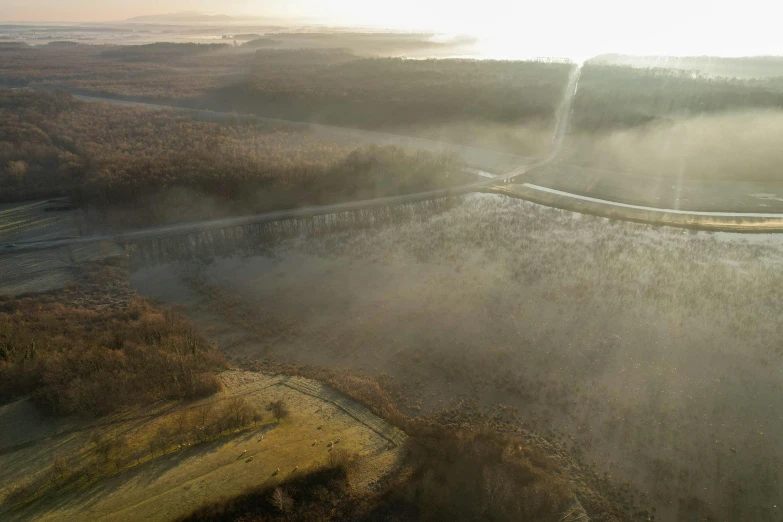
(738,196)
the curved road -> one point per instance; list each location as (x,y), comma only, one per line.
(772,222)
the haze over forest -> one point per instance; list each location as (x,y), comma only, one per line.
(564,28)
(410,261)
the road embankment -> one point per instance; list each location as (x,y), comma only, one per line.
(709,221)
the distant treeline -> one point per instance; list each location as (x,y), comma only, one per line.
(160,52)
(741,67)
(379,44)
(260,42)
(242,36)
(164,71)
(103,155)
(613,97)
(334,87)
(326,85)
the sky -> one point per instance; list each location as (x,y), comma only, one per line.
(569,28)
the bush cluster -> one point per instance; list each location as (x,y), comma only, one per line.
(85,361)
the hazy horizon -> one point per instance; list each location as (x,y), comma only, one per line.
(559,29)
(415,260)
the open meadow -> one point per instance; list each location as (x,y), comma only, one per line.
(174,457)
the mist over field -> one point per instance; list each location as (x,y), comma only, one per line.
(475,265)
(738,146)
(532,138)
(646,351)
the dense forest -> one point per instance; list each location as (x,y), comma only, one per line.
(616,97)
(324,85)
(377,92)
(105,156)
(95,348)
(115,71)
(163,52)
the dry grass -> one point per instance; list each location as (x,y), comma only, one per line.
(305,497)
(110,450)
(452,476)
(159,462)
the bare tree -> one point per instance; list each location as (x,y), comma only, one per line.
(120,447)
(239,411)
(138,455)
(161,437)
(257,416)
(60,466)
(103,445)
(58,471)
(152,443)
(282,501)
(90,468)
(279,409)
(182,427)
(108,447)
(204,412)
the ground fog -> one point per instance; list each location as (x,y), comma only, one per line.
(654,352)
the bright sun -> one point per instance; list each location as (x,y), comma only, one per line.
(577,30)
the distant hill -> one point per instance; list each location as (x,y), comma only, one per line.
(261,42)
(242,37)
(745,67)
(180,18)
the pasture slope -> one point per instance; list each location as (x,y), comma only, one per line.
(171,485)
